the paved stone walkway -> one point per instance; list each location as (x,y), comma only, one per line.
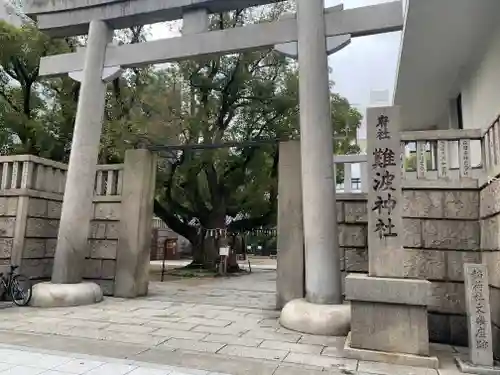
(215,325)
(28,361)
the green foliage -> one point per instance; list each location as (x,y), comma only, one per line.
(36,116)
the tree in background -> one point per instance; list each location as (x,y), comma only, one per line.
(251,95)
(246,96)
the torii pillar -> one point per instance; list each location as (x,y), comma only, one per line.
(67,288)
(322,311)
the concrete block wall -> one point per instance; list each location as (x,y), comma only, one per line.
(490,244)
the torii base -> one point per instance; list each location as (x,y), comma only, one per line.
(65,295)
(325,320)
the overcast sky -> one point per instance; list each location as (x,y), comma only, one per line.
(368,63)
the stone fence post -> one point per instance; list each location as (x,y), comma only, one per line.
(134,240)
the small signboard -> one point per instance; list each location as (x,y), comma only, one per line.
(224,251)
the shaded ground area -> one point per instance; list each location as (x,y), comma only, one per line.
(224,325)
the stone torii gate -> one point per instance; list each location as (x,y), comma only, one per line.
(322,306)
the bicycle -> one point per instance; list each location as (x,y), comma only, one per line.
(16,285)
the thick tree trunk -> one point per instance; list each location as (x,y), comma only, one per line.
(206,251)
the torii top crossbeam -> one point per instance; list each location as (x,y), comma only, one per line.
(72,17)
(356,22)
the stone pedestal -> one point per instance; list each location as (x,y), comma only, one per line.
(65,295)
(325,320)
(389,320)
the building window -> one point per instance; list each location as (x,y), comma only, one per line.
(460,117)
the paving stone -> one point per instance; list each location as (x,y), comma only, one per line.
(207,322)
(129,328)
(83,323)
(229,330)
(245,351)
(171,333)
(333,351)
(299,370)
(234,340)
(336,341)
(390,369)
(298,348)
(133,338)
(260,334)
(322,361)
(198,346)
(211,362)
(175,325)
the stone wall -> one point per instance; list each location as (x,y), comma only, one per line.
(352,219)
(31,194)
(490,244)
(8,213)
(441,231)
(100,262)
(33,247)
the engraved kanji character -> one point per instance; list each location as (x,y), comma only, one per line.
(384,157)
(384,182)
(482,344)
(385,230)
(389,204)
(382,128)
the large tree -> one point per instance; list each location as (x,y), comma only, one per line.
(251,95)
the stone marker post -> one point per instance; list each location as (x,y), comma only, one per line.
(385,219)
(478,314)
(72,241)
(322,312)
(389,312)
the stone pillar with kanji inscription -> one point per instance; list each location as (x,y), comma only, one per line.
(477,300)
(388,311)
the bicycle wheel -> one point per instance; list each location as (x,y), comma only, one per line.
(20,290)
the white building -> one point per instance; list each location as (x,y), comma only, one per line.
(449,66)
